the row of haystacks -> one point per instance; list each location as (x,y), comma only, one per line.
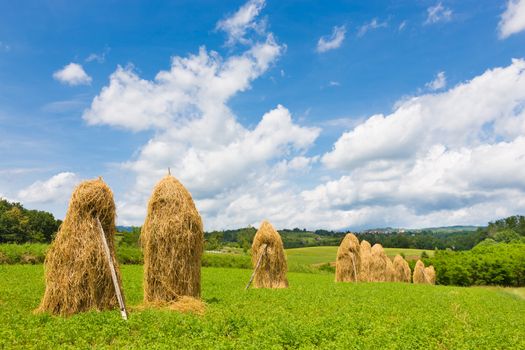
(77,268)
(78,271)
(82,273)
(365,263)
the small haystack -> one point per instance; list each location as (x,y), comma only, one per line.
(268,258)
(379,271)
(402,271)
(419,273)
(430,274)
(77,272)
(347,265)
(173,241)
(365,257)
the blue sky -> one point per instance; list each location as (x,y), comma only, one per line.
(341,114)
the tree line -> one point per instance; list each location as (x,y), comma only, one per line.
(20,225)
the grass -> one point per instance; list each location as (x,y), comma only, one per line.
(321,255)
(313,313)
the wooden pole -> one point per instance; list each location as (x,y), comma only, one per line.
(257,266)
(118,291)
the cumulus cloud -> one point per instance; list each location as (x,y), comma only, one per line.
(334,41)
(454,153)
(245,19)
(220,161)
(513,19)
(373,24)
(55,189)
(72,74)
(438,13)
(439,82)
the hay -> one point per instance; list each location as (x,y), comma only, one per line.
(183,304)
(402,271)
(365,257)
(77,273)
(390,272)
(430,274)
(173,241)
(272,268)
(419,273)
(348,260)
(379,271)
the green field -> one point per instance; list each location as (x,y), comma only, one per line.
(313,313)
(320,255)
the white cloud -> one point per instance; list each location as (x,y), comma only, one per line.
(465,113)
(437,159)
(72,74)
(237,25)
(98,57)
(197,85)
(402,25)
(438,13)
(334,41)
(373,24)
(56,189)
(439,82)
(221,162)
(513,19)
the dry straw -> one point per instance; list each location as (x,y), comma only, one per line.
(348,261)
(268,251)
(77,273)
(430,275)
(379,270)
(365,257)
(402,271)
(172,240)
(419,273)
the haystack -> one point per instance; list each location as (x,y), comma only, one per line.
(77,272)
(430,274)
(348,260)
(365,257)
(172,241)
(402,271)
(419,273)
(379,264)
(268,253)
(390,271)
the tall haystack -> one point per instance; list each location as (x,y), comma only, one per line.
(348,260)
(379,271)
(402,271)
(77,273)
(365,257)
(268,254)
(419,273)
(172,241)
(430,274)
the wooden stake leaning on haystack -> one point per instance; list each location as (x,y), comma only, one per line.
(365,257)
(113,271)
(173,241)
(348,259)
(77,274)
(402,271)
(268,259)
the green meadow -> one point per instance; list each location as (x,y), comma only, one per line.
(314,313)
